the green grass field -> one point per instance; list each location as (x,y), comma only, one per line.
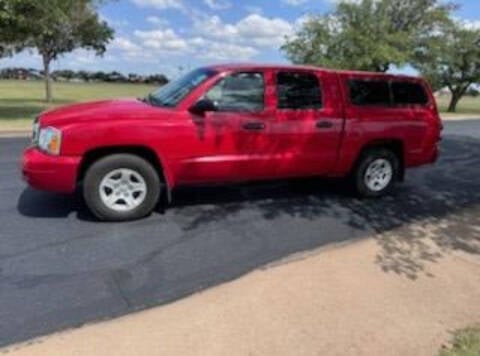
(468,105)
(21,101)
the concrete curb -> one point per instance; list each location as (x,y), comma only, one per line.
(453,117)
(15,133)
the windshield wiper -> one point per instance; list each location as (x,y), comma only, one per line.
(153,100)
(150,100)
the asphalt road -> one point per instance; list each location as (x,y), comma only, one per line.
(59,268)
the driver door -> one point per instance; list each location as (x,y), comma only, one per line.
(232,143)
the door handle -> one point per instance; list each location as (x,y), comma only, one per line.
(254,126)
(324,124)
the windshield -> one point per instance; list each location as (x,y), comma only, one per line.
(174,92)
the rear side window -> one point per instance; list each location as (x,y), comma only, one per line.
(239,92)
(408,93)
(298,91)
(369,92)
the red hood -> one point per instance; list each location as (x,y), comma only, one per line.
(116,109)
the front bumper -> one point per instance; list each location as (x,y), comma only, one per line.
(51,173)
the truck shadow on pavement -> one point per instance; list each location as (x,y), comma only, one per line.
(439,204)
(38,204)
(436,212)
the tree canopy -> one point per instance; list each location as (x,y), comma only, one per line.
(366,35)
(13,25)
(450,57)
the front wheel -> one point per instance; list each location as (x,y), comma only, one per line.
(376,173)
(121,187)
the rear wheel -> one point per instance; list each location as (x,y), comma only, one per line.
(121,187)
(376,173)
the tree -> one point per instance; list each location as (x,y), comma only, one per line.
(13,25)
(158,79)
(365,35)
(56,27)
(451,58)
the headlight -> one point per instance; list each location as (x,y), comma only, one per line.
(50,140)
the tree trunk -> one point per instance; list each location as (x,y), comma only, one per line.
(452,107)
(48,79)
(457,95)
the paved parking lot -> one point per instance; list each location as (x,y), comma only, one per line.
(59,268)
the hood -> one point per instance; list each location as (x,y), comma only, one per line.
(117,109)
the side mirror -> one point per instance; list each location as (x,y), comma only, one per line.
(202,106)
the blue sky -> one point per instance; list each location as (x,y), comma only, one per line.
(169,36)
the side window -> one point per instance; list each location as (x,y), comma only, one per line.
(298,91)
(369,92)
(408,93)
(239,92)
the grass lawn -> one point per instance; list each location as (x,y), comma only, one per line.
(21,101)
(465,342)
(468,105)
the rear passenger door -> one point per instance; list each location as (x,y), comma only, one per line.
(308,125)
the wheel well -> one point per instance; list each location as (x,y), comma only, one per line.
(144,152)
(396,146)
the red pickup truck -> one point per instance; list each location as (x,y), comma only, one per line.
(232,123)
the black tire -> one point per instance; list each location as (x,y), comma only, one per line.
(366,160)
(99,169)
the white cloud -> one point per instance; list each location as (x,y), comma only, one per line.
(157,21)
(263,31)
(214,27)
(162,40)
(124,44)
(253,30)
(161,43)
(302,20)
(334,2)
(160,4)
(295,2)
(218,4)
(470,24)
(216,51)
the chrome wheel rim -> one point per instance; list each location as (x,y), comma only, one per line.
(378,175)
(123,190)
